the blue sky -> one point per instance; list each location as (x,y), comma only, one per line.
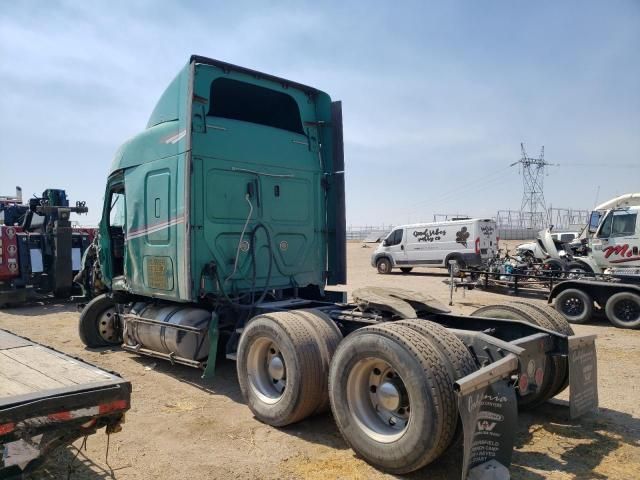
(437,96)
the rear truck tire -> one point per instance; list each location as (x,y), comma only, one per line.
(457,357)
(561,326)
(575,305)
(98,325)
(280,368)
(623,310)
(555,371)
(392,397)
(383,265)
(406,269)
(456,353)
(560,323)
(328,336)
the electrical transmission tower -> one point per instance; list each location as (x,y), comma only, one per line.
(533,210)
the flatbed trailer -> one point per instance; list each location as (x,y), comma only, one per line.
(49,399)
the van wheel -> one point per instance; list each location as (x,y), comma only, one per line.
(384,265)
(99,325)
(406,269)
(623,310)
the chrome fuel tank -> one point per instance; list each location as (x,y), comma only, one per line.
(192,345)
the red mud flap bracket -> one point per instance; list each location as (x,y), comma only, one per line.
(489,413)
(583,375)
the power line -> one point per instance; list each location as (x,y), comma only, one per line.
(602,165)
(459,187)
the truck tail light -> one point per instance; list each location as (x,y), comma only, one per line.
(9,267)
(478,245)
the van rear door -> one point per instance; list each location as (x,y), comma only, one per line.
(487,233)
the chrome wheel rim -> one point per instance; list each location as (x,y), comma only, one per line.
(266,370)
(107,325)
(378,400)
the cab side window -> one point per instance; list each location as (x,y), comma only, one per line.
(394,238)
(618,224)
(116,212)
(624,224)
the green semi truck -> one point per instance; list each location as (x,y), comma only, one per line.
(223,224)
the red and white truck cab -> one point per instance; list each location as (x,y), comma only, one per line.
(614,229)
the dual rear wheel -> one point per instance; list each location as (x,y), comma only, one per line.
(622,309)
(390,386)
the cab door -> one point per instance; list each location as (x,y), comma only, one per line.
(617,241)
(396,246)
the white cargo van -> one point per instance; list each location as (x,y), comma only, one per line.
(434,244)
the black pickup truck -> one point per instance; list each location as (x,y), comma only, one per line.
(49,399)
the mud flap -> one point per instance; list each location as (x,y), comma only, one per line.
(583,375)
(210,369)
(489,413)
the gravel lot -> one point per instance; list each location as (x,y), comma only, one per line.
(181,426)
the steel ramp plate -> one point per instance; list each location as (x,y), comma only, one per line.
(404,303)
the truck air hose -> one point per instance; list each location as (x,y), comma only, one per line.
(258,226)
(253,303)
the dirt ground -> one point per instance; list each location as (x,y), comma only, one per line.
(181,426)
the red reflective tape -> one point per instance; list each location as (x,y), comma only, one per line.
(113,406)
(7,428)
(60,416)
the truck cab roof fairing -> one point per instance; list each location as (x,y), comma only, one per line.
(254,73)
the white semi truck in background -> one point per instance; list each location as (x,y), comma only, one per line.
(609,244)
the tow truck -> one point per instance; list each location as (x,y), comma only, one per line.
(40,251)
